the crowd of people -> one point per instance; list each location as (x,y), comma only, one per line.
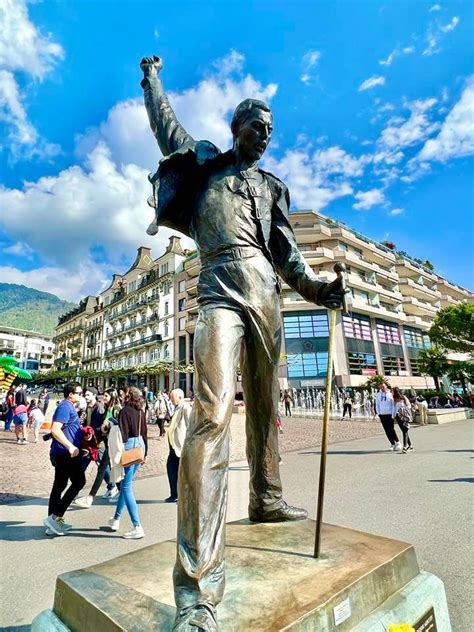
(106,430)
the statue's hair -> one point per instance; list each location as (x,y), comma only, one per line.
(243,111)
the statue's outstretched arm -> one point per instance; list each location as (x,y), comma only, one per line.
(168,131)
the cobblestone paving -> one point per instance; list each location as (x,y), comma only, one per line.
(26,470)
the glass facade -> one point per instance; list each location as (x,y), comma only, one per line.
(307,365)
(306,342)
(362,363)
(388,333)
(357,327)
(393,365)
(309,325)
(416,339)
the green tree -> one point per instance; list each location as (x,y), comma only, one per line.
(461,371)
(432,362)
(376,381)
(453,328)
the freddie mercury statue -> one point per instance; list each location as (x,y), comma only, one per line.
(238,216)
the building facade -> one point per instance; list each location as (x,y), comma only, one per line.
(148,315)
(394,301)
(33,351)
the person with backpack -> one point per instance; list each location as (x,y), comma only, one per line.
(402,412)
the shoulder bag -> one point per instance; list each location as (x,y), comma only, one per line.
(134,455)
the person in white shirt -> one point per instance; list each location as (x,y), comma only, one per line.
(176,436)
(384,407)
(35,418)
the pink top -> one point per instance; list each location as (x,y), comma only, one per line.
(20,409)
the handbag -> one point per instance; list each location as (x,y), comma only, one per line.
(404,416)
(134,455)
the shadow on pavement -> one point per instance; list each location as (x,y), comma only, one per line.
(13,531)
(12,499)
(349,452)
(16,628)
(451,480)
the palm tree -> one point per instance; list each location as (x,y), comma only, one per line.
(432,362)
(376,381)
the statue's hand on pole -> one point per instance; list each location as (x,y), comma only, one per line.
(151,66)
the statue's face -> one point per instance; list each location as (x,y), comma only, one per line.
(254,134)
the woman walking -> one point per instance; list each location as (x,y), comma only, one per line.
(287,400)
(161,412)
(35,418)
(10,403)
(131,431)
(347,405)
(20,418)
(403,414)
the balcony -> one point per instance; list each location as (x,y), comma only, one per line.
(192,306)
(415,307)
(191,285)
(315,253)
(191,324)
(410,268)
(454,291)
(135,343)
(192,264)
(418,320)
(410,287)
(7,346)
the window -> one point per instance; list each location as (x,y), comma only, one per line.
(388,333)
(393,365)
(307,364)
(182,286)
(166,288)
(166,329)
(132,286)
(357,327)
(313,325)
(164,268)
(415,338)
(167,351)
(415,367)
(167,306)
(343,246)
(362,363)
(181,304)
(182,324)
(362,296)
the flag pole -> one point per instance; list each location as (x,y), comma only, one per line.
(340,269)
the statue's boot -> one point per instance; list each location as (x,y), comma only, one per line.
(282,513)
(198,618)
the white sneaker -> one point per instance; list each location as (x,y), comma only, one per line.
(135,534)
(111,493)
(114,499)
(53,525)
(392,447)
(397,447)
(84,503)
(114,524)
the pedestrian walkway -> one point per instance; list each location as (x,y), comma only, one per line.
(422,497)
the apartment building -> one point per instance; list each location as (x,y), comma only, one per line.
(33,351)
(139,314)
(71,333)
(394,301)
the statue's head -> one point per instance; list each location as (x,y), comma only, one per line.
(252,127)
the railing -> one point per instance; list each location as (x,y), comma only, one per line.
(135,343)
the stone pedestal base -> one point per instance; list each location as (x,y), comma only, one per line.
(362,582)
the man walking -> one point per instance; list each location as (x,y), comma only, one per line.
(66,459)
(238,216)
(176,436)
(384,407)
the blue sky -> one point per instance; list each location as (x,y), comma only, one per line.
(373,105)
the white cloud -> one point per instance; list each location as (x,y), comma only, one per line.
(401,132)
(372,82)
(156,34)
(456,137)
(22,49)
(408,50)
(368,199)
(389,59)
(22,46)
(310,61)
(70,285)
(204,110)
(451,26)
(435,7)
(396,211)
(19,249)
(436,33)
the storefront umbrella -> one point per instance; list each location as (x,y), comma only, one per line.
(8,360)
(21,373)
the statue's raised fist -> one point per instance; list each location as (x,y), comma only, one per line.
(151,66)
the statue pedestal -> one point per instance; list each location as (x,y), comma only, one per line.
(362,582)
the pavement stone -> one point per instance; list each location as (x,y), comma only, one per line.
(26,470)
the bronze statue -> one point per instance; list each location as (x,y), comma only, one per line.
(238,216)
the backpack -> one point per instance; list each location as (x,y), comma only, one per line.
(404,416)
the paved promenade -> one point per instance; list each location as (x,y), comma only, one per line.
(424,497)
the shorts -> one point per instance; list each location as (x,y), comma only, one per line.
(21,419)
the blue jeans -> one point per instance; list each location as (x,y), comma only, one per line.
(126,486)
(8,419)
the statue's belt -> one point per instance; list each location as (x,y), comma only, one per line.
(233,253)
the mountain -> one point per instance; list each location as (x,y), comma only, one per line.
(26,308)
